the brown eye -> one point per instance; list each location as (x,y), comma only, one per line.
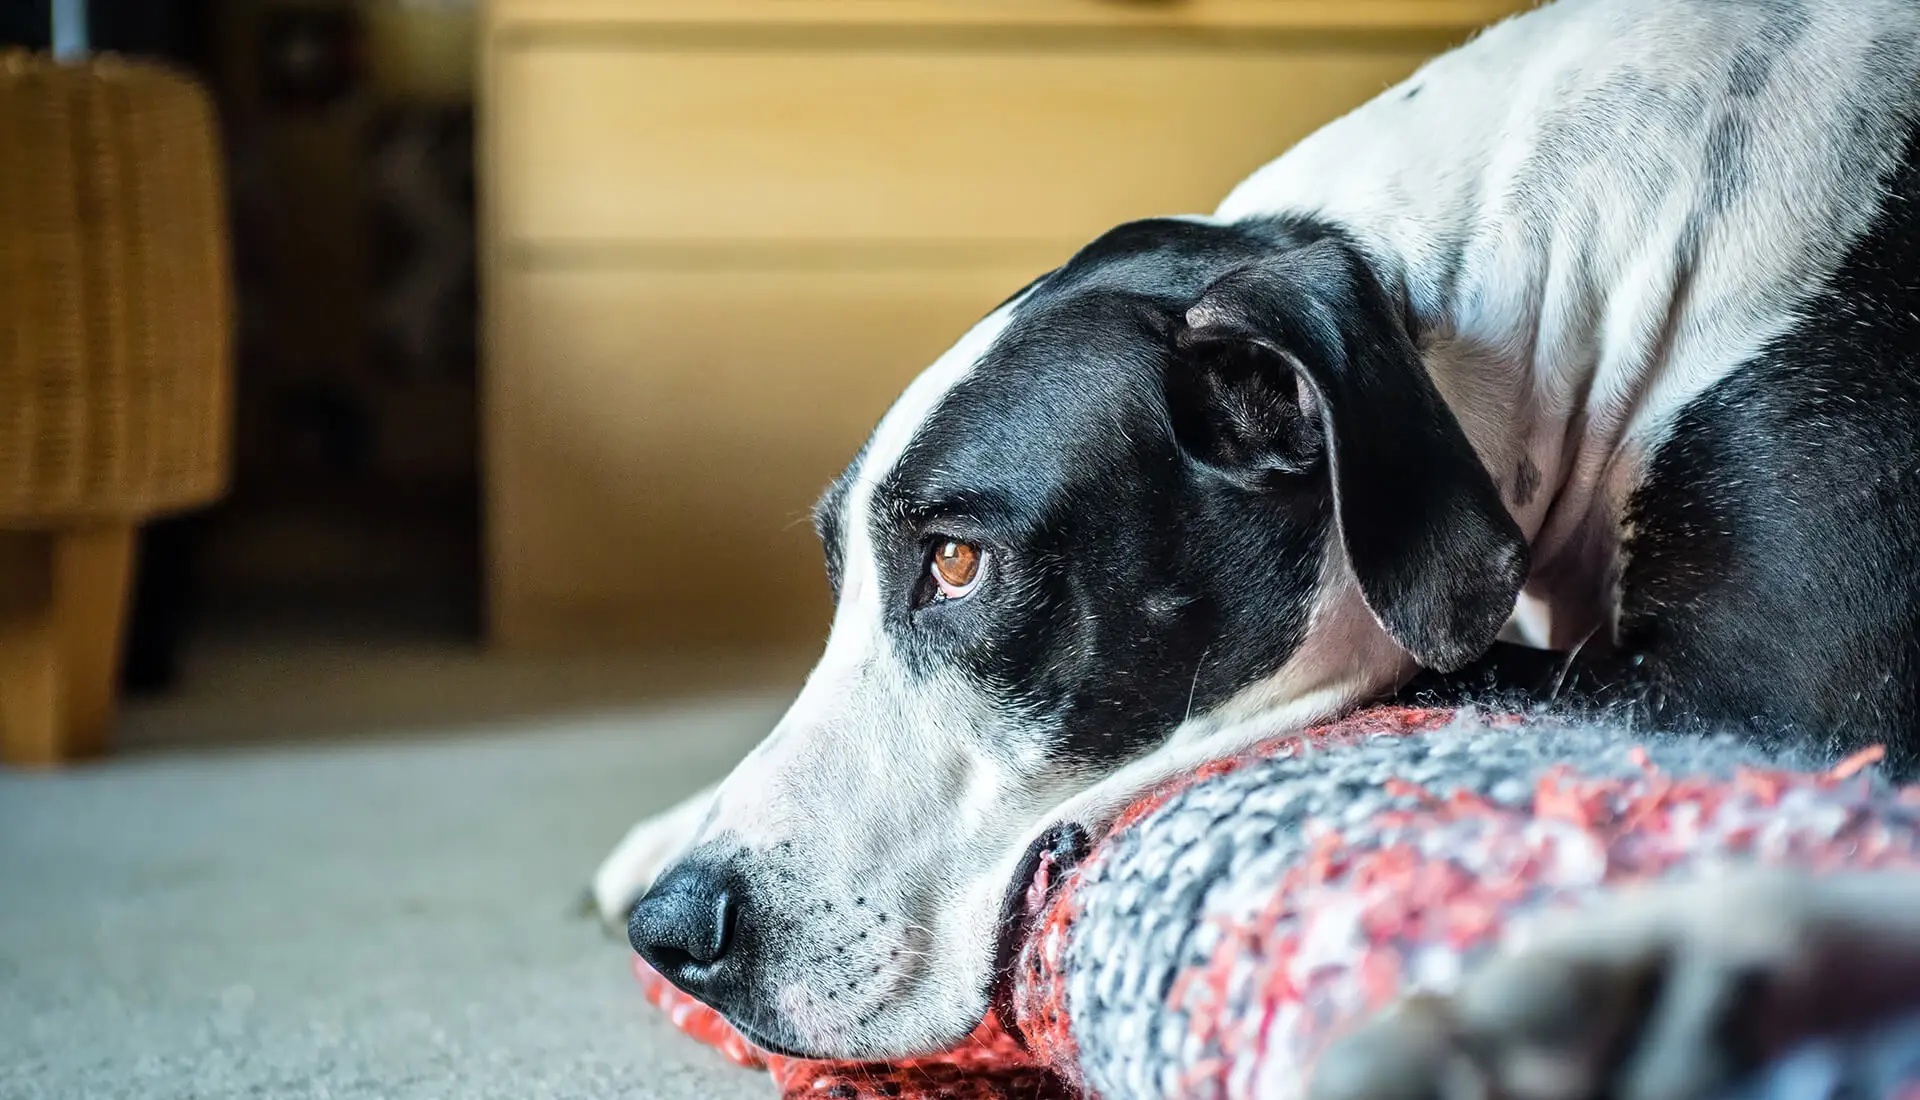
(956,568)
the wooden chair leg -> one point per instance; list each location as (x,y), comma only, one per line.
(29,656)
(92,581)
(63,604)
(29,659)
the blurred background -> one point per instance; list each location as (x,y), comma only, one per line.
(551,317)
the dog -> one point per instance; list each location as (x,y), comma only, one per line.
(1584,363)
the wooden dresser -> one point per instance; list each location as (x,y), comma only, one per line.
(720,236)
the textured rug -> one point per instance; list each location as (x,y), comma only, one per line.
(1234,921)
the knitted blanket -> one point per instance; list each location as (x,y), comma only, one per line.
(1230,923)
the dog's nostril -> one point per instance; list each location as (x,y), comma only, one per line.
(725,912)
(668,960)
(685,924)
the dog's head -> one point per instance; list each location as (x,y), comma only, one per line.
(1196,474)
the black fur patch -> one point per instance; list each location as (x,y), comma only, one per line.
(1770,583)
(1127,584)
(1526,482)
(830,522)
(1752,67)
(1131,582)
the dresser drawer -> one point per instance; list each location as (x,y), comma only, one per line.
(893,140)
(662,435)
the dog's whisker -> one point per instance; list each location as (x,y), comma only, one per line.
(1566,667)
(1193,689)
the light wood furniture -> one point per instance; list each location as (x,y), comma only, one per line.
(114,369)
(719,237)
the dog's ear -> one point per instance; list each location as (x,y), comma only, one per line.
(1302,356)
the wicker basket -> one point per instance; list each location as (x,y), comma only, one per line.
(114,294)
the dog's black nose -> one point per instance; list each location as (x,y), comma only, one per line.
(684,925)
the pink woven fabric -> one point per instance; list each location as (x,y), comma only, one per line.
(1357,911)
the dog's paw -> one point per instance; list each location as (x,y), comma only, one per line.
(1671,992)
(642,854)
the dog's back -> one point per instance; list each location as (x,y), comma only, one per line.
(1683,233)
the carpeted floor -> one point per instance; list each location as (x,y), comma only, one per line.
(372,919)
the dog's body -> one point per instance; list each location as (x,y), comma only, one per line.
(1602,331)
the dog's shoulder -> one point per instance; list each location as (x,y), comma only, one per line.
(1592,119)
(1624,197)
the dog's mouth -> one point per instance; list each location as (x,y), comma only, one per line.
(1037,882)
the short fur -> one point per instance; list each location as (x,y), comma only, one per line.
(1600,327)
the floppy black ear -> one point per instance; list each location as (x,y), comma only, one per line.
(1301,355)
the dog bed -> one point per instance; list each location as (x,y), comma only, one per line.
(1233,921)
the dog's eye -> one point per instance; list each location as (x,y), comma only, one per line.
(956,568)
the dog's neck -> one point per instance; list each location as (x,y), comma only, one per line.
(1593,222)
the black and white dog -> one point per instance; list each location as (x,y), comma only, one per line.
(1599,336)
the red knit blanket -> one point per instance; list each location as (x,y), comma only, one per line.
(1467,821)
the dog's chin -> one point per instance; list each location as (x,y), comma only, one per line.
(1030,893)
(921,1034)
(766,1043)
(868,1048)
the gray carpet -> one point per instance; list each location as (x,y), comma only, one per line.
(376,919)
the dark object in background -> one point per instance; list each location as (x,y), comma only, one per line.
(163,598)
(26,23)
(426,318)
(310,58)
(165,29)
(324,431)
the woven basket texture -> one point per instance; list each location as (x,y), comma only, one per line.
(115,300)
